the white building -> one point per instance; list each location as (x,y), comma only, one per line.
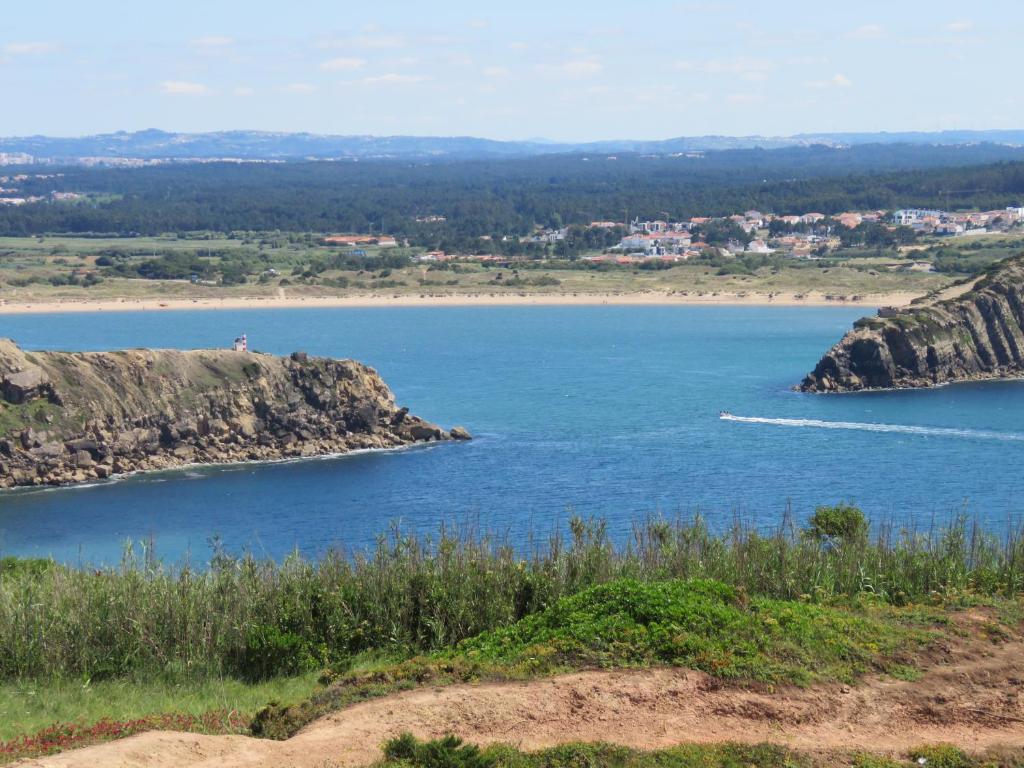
(909,216)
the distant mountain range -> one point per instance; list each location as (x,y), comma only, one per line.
(156,145)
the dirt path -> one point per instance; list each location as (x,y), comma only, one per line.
(973,699)
(956,291)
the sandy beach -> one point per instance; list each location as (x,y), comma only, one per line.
(459,300)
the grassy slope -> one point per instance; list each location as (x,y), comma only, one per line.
(28,707)
(54,256)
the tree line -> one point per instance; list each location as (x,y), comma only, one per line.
(507,199)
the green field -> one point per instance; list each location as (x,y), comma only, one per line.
(60,268)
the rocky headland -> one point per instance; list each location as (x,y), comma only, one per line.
(73,417)
(978,334)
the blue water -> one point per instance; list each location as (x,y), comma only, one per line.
(603,411)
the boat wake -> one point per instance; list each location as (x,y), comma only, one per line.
(906,429)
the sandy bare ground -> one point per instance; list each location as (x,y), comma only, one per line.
(460,300)
(972,698)
(956,291)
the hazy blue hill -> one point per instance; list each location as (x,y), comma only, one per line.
(1015,137)
(254,145)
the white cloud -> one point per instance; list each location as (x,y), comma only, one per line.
(653,93)
(867,32)
(213,41)
(744,98)
(244,90)
(343,63)
(837,80)
(393,78)
(962,25)
(29,48)
(378,41)
(183,88)
(479,24)
(581,68)
(495,72)
(752,70)
(299,88)
(360,42)
(806,61)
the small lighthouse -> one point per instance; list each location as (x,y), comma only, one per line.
(241,344)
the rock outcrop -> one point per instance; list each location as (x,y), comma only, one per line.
(977,335)
(72,417)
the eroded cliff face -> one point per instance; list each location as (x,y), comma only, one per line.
(72,417)
(978,335)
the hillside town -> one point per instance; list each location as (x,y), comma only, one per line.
(805,236)
(799,236)
(10,193)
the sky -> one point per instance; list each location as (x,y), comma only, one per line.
(566,70)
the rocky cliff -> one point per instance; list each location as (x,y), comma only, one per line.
(976,335)
(71,417)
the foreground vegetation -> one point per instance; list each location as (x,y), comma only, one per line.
(255,619)
(695,623)
(450,752)
(830,601)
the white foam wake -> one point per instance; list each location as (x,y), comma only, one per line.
(907,429)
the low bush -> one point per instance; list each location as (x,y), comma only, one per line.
(696,623)
(941,756)
(272,652)
(446,752)
(842,522)
(450,752)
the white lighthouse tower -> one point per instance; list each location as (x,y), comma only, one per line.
(241,344)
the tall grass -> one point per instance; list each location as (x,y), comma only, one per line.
(255,618)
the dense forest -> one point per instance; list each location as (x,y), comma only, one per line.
(496,198)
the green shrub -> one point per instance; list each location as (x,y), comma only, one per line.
(733,268)
(449,752)
(446,752)
(842,522)
(866,760)
(696,623)
(271,652)
(942,756)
